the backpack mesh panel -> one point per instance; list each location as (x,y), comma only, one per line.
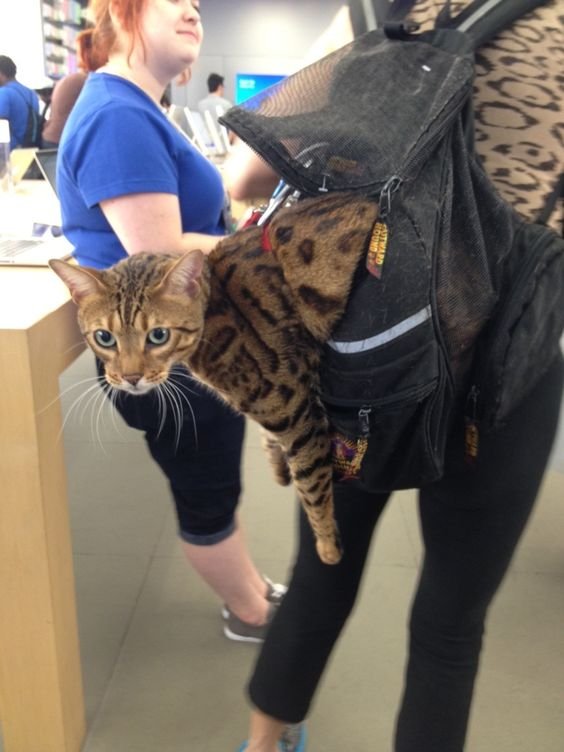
(333,125)
(477,230)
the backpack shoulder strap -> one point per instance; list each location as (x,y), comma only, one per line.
(483,19)
(23,96)
(556,195)
(367,15)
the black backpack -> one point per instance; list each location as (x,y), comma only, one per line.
(33,127)
(460,299)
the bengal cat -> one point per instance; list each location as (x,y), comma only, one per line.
(249,321)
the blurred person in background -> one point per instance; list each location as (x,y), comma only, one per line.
(18,104)
(67,89)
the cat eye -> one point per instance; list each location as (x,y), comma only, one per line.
(158,336)
(104,338)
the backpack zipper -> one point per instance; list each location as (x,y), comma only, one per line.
(366,410)
(413,395)
(364,421)
(378,244)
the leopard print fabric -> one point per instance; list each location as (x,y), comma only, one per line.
(519,88)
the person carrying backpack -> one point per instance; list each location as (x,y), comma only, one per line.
(19,105)
(475,501)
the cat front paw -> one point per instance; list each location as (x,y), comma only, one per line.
(282,475)
(329,551)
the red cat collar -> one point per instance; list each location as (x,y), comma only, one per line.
(265,243)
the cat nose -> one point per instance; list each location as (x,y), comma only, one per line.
(132,378)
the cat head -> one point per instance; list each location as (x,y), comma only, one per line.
(141,316)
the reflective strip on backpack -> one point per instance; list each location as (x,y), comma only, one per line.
(363,345)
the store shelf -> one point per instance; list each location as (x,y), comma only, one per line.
(62,21)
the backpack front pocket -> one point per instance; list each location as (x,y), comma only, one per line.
(389,432)
(523,337)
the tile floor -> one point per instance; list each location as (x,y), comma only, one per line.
(160,677)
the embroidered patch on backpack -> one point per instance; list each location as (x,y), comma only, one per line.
(347,456)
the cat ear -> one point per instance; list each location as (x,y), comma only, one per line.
(184,275)
(81,281)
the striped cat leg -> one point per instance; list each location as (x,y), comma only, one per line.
(309,458)
(277,458)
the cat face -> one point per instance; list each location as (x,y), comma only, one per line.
(140,317)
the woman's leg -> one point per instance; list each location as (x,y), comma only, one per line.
(201,459)
(318,602)
(264,733)
(471,522)
(230,572)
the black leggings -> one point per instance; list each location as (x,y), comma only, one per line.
(471,522)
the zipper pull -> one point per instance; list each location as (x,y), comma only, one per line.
(364,420)
(471,430)
(361,442)
(379,239)
(281,194)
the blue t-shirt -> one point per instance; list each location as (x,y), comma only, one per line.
(15,98)
(117,141)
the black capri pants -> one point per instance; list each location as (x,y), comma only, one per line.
(200,454)
(472,520)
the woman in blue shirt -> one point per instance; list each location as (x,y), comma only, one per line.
(16,101)
(129,182)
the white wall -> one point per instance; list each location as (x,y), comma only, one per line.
(247,36)
(254,36)
(21,38)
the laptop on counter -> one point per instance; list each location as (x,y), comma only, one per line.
(47,162)
(41,242)
(20,161)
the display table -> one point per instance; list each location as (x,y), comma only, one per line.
(41,697)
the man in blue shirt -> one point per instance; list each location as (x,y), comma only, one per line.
(15,101)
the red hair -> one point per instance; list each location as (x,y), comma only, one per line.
(104,33)
(90,58)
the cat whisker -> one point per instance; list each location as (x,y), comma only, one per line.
(93,399)
(175,385)
(66,391)
(175,395)
(189,405)
(103,401)
(97,396)
(92,390)
(76,344)
(169,399)
(112,395)
(109,395)
(179,370)
(187,377)
(162,410)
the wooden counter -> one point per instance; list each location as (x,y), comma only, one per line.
(41,697)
